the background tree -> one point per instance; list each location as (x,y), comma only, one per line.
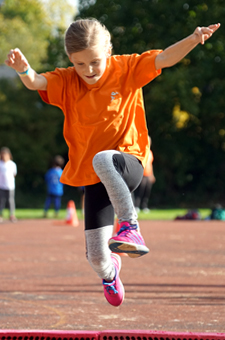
(24,24)
(185,105)
(30,128)
(30,24)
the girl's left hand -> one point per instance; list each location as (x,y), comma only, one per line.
(204,33)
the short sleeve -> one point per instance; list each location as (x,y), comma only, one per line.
(54,93)
(143,67)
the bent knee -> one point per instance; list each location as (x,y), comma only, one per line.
(99,160)
(104,160)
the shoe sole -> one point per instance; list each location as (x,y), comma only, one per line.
(132,250)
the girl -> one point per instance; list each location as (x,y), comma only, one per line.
(105,129)
(8,171)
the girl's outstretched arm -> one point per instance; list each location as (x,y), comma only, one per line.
(29,77)
(173,54)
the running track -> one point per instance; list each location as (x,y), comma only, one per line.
(46,282)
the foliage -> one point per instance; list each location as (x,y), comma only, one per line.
(59,13)
(35,23)
(24,24)
(189,142)
(32,130)
(184,106)
(56,53)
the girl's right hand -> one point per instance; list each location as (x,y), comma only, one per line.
(17,61)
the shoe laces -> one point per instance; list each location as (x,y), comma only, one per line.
(110,286)
(124,230)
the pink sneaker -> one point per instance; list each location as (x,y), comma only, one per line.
(114,290)
(128,240)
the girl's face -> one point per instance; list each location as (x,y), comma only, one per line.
(89,64)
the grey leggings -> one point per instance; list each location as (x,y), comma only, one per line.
(7,197)
(120,174)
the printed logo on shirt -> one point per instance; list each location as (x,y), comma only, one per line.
(115,103)
(113,94)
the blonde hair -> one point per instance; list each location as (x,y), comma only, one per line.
(87,33)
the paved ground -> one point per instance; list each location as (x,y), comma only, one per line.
(46,282)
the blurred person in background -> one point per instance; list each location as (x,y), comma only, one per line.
(8,172)
(143,191)
(54,186)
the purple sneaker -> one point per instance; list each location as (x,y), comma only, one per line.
(114,290)
(128,240)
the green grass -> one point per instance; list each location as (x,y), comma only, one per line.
(154,214)
(169,214)
(39,213)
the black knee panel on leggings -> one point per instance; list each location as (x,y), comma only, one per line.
(99,211)
(130,168)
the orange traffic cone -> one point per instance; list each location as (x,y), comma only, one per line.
(115,231)
(71,214)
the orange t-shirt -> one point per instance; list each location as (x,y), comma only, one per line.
(148,170)
(108,115)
